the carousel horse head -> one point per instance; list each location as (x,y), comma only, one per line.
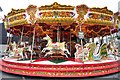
(47,38)
(77,46)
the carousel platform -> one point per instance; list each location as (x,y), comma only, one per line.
(44,67)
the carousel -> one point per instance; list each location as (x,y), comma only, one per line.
(58,43)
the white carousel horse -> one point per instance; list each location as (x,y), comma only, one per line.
(7,51)
(26,49)
(96,54)
(16,51)
(50,45)
(78,51)
(91,47)
(112,50)
(19,52)
(12,50)
(81,53)
(62,47)
(85,53)
(56,47)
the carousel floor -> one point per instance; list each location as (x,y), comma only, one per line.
(68,68)
(47,61)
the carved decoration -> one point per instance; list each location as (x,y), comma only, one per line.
(14,11)
(82,10)
(56,6)
(102,10)
(31,10)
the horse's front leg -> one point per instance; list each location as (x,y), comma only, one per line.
(68,52)
(45,54)
(115,56)
(44,49)
(25,53)
(22,56)
(76,54)
(48,53)
(64,54)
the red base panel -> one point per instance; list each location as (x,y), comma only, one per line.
(66,70)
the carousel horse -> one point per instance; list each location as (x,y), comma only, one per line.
(115,50)
(50,45)
(96,54)
(85,53)
(8,51)
(81,53)
(56,50)
(11,50)
(94,51)
(78,51)
(103,51)
(16,51)
(91,47)
(26,50)
(19,53)
(112,50)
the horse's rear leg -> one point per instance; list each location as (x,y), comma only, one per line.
(64,54)
(43,50)
(68,52)
(46,54)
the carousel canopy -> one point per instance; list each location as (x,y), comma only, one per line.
(94,21)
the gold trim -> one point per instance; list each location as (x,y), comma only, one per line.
(56,6)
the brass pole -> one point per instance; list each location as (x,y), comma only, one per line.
(21,34)
(32,44)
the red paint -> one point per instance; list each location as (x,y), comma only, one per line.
(69,70)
